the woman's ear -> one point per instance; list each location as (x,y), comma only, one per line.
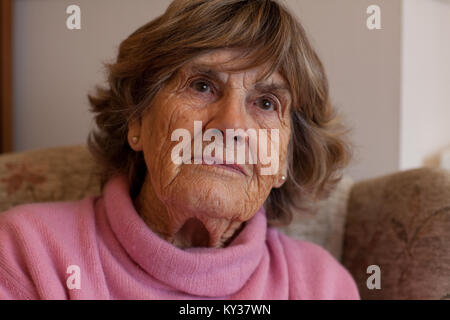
(281,179)
(134,135)
(281,176)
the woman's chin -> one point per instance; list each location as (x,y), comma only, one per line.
(215,192)
(211,179)
(205,199)
(216,171)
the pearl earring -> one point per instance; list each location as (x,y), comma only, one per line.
(283,178)
(134,140)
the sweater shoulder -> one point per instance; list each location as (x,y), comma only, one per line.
(39,224)
(34,237)
(315,273)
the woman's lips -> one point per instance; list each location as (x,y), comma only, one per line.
(232,167)
(237,168)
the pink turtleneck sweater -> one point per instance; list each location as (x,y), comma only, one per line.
(99,248)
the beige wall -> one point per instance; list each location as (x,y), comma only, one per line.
(54,69)
(425,107)
(363,68)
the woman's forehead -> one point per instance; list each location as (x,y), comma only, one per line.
(222,61)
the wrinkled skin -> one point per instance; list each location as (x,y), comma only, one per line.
(193,205)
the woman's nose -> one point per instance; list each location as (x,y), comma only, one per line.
(228,113)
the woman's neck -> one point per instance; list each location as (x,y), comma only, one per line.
(182,228)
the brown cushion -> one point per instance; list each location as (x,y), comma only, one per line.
(401,223)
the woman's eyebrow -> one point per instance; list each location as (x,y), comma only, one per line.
(216,75)
(205,70)
(269,87)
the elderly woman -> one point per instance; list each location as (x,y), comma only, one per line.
(180,217)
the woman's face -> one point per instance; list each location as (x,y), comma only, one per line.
(203,90)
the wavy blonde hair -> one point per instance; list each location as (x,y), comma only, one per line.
(152,54)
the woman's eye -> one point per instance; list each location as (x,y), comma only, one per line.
(267,104)
(201,86)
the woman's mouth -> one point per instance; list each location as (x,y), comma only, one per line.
(231,167)
(214,162)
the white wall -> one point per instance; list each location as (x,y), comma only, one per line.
(55,68)
(425,107)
